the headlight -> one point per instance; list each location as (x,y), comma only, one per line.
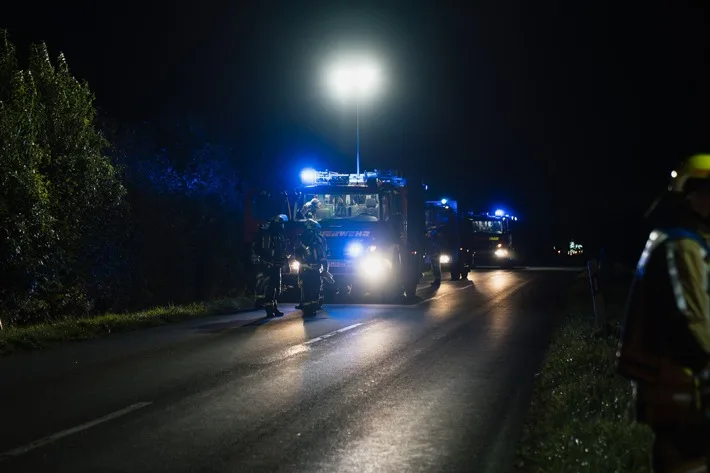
(354,249)
(444,259)
(501,253)
(374,266)
(295,266)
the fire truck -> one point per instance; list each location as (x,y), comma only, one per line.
(374,227)
(442,216)
(489,237)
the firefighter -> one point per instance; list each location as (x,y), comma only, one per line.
(311,255)
(258,265)
(665,343)
(433,240)
(325,274)
(271,250)
(309,208)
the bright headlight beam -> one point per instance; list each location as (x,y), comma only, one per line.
(354,249)
(374,267)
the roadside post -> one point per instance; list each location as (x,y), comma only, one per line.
(597,296)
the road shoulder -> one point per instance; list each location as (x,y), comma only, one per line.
(580,412)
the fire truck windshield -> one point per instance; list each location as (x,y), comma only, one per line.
(436,217)
(487,226)
(340,206)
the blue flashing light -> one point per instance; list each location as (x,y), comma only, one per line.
(499,213)
(309,176)
(443,201)
(354,249)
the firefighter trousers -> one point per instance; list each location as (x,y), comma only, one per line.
(272,288)
(311,287)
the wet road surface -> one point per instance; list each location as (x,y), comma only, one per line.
(441,385)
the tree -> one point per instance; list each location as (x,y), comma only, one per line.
(60,196)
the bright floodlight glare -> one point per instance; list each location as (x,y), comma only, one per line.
(308,176)
(499,213)
(360,80)
(443,201)
(674,174)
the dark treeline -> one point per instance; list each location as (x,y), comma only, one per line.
(106,216)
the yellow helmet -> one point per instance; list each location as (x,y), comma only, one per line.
(695,167)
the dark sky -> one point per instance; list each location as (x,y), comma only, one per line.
(569,114)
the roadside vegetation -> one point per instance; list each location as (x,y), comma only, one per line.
(581,418)
(99,217)
(37,336)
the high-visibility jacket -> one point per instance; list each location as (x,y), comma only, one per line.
(665,343)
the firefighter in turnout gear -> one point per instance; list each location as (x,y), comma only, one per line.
(311,255)
(665,343)
(259,266)
(270,249)
(309,209)
(325,275)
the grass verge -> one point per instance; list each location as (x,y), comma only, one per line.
(14,339)
(580,417)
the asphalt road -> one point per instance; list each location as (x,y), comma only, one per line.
(442,385)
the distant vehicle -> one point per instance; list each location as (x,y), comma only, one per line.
(489,238)
(370,224)
(443,217)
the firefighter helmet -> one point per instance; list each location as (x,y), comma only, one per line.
(277,223)
(312,225)
(691,171)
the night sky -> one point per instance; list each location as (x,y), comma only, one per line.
(572,116)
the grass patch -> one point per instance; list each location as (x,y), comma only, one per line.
(581,417)
(13,339)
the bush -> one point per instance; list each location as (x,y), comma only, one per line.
(186,232)
(60,196)
(157,222)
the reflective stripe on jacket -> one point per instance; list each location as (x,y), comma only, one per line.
(666,334)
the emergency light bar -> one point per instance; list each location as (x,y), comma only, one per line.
(496,215)
(311,177)
(443,204)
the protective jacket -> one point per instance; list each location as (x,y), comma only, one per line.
(665,343)
(271,247)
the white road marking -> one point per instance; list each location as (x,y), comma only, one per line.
(328,335)
(443,295)
(65,433)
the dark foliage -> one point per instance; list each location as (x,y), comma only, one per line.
(186,226)
(87,227)
(60,196)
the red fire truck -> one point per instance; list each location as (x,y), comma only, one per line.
(374,226)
